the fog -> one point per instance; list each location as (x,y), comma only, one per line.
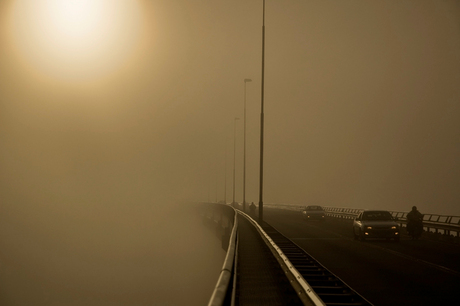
(100,141)
(99,256)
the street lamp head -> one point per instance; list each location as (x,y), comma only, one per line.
(247,80)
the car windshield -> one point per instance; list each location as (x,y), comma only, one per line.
(377,215)
(314,208)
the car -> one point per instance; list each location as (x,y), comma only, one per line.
(314,212)
(376,224)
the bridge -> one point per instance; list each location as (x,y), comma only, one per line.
(286,260)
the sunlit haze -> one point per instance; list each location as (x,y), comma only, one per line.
(76,39)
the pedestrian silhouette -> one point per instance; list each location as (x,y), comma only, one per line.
(414,223)
(252,209)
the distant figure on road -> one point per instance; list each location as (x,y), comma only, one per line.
(414,223)
(252,209)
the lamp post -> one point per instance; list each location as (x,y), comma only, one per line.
(244,147)
(225,174)
(216,188)
(261,203)
(234,157)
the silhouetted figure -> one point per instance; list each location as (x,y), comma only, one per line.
(414,223)
(252,209)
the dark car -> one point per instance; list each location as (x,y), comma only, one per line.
(314,212)
(376,224)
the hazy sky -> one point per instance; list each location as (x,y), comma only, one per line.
(113,110)
(362,103)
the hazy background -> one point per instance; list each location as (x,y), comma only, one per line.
(362,108)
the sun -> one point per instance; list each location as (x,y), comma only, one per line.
(76,39)
(74,20)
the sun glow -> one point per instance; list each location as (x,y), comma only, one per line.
(76,39)
(74,19)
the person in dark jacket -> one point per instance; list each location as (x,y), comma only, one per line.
(414,223)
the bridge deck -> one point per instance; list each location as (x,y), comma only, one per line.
(261,281)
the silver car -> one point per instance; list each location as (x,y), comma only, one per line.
(314,212)
(376,224)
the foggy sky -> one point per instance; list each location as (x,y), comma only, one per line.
(361,109)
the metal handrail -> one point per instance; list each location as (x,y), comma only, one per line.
(219,294)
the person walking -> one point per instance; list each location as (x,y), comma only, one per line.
(414,223)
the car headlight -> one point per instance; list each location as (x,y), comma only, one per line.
(394,227)
(368,227)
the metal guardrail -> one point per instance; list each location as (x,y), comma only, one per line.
(223,294)
(343,213)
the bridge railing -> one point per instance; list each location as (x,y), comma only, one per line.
(224,218)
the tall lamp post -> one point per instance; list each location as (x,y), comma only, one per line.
(234,157)
(225,175)
(244,148)
(261,203)
(225,171)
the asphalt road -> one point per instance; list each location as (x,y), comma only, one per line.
(411,272)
